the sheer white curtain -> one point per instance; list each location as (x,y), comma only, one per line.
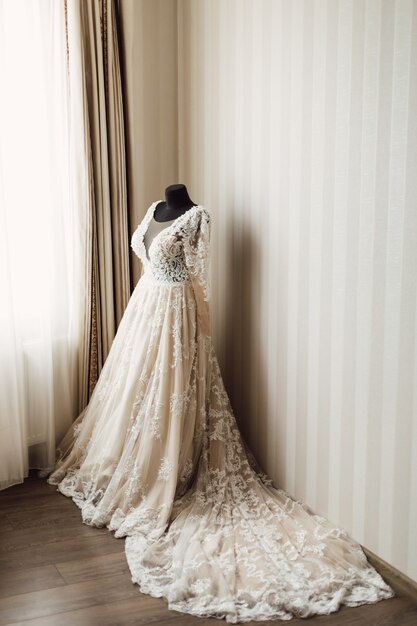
(41,240)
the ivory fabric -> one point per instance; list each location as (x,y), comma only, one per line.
(99,178)
(157,457)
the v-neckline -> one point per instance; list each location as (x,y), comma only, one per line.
(164,230)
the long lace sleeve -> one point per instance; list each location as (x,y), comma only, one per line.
(136,241)
(197,259)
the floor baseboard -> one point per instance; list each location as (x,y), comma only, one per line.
(402,584)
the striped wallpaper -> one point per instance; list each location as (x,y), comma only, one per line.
(298,128)
(295,122)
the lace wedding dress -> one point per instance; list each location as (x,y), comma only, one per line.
(158,458)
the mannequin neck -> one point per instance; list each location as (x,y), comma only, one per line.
(177,197)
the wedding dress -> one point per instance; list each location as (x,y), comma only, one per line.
(158,458)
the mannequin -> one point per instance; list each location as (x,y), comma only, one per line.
(177,202)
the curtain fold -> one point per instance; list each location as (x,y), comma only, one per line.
(97,109)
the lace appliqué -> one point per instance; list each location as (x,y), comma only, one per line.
(177,252)
(165,469)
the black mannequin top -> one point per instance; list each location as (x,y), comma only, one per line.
(177,202)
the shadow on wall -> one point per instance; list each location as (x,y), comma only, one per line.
(244,364)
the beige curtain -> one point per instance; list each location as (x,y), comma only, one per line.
(99,175)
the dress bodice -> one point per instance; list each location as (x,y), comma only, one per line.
(180,251)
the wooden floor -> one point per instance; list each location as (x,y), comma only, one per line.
(55,570)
